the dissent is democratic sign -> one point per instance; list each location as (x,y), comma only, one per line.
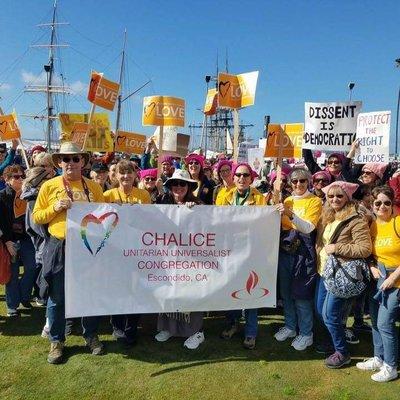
(161,258)
(330,126)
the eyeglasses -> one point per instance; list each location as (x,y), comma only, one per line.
(18,176)
(336,162)
(339,196)
(245,175)
(193,163)
(74,159)
(320,180)
(296,181)
(179,183)
(149,179)
(378,203)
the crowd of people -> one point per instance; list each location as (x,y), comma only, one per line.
(339,250)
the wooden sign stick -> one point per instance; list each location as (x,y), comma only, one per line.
(160,151)
(277,194)
(235,134)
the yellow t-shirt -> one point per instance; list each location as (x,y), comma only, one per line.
(222,193)
(326,238)
(255,198)
(308,208)
(386,243)
(136,196)
(54,190)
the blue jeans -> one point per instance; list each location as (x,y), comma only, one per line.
(383,319)
(20,289)
(297,312)
(56,311)
(251,317)
(332,312)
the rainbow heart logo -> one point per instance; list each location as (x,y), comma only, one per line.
(90,218)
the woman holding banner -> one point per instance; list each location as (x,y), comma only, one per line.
(385,296)
(190,324)
(125,326)
(297,259)
(343,236)
(243,195)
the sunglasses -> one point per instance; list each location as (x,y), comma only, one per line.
(179,183)
(193,163)
(339,196)
(149,179)
(296,181)
(17,176)
(74,159)
(336,162)
(367,172)
(245,175)
(378,203)
(320,180)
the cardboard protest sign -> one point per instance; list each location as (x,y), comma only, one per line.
(129,142)
(255,158)
(210,107)
(102,92)
(330,126)
(99,135)
(243,150)
(291,140)
(237,91)
(373,130)
(67,122)
(79,132)
(182,144)
(9,128)
(163,111)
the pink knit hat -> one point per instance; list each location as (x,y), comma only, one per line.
(377,169)
(347,187)
(166,158)
(221,163)
(272,176)
(323,173)
(195,157)
(252,172)
(152,172)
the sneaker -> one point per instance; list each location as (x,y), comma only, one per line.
(370,364)
(301,342)
(40,302)
(163,336)
(351,337)
(284,333)
(27,305)
(194,341)
(337,360)
(45,332)
(249,343)
(363,327)
(12,313)
(230,331)
(95,346)
(385,374)
(55,355)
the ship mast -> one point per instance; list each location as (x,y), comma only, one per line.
(121,73)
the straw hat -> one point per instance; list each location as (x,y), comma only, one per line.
(181,175)
(69,148)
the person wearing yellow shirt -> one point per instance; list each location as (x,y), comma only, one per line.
(224,172)
(54,199)
(384,298)
(297,259)
(243,195)
(125,325)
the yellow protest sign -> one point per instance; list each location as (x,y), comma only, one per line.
(102,92)
(210,107)
(99,134)
(163,111)
(67,122)
(129,142)
(9,128)
(291,140)
(79,132)
(237,91)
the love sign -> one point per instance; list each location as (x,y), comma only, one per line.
(129,142)
(102,92)
(163,111)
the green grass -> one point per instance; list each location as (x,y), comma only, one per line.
(217,370)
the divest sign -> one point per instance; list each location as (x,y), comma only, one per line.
(160,258)
(163,111)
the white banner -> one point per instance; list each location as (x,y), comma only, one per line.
(160,258)
(330,126)
(373,130)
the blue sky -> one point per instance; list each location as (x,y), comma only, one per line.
(305,51)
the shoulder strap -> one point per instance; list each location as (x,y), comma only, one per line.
(394,226)
(340,228)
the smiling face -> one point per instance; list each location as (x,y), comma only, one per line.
(368,177)
(319,182)
(71,165)
(166,168)
(299,183)
(126,179)
(242,178)
(194,168)
(337,198)
(179,190)
(15,179)
(334,165)
(383,207)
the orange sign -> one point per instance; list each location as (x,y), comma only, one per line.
(9,128)
(102,92)
(291,141)
(210,108)
(237,91)
(78,133)
(129,142)
(163,111)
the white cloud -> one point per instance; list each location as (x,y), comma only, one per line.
(5,86)
(78,87)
